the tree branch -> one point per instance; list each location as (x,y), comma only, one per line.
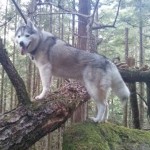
(113,24)
(9,19)
(14,77)
(20,12)
(69,11)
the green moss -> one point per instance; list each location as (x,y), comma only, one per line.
(104,137)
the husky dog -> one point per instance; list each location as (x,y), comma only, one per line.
(53,56)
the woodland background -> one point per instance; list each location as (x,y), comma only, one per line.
(118,29)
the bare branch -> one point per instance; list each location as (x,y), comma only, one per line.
(92,16)
(95,8)
(19,10)
(69,11)
(141,97)
(113,24)
(117,13)
(53,13)
(9,19)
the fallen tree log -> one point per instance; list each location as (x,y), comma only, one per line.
(23,126)
(132,76)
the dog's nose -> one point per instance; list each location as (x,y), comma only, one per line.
(21,44)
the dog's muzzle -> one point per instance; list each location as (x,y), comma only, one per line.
(22,44)
(23,47)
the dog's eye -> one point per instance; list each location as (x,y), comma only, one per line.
(27,35)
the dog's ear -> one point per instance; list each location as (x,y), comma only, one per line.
(31,25)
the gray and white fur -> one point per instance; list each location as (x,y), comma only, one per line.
(53,56)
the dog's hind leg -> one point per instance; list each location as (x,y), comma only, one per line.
(45,75)
(102,107)
(99,94)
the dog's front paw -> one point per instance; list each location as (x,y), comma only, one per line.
(44,94)
(97,120)
(94,119)
(39,97)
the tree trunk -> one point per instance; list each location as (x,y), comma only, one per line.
(141,56)
(83,9)
(134,106)
(80,114)
(148,98)
(125,114)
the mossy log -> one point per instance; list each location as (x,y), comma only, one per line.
(106,136)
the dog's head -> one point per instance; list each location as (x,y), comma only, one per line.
(27,37)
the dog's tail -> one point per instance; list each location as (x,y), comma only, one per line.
(118,85)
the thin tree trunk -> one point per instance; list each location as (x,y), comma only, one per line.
(134,106)
(51,19)
(141,61)
(125,116)
(148,98)
(73,23)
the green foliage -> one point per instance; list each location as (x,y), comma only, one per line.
(129,17)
